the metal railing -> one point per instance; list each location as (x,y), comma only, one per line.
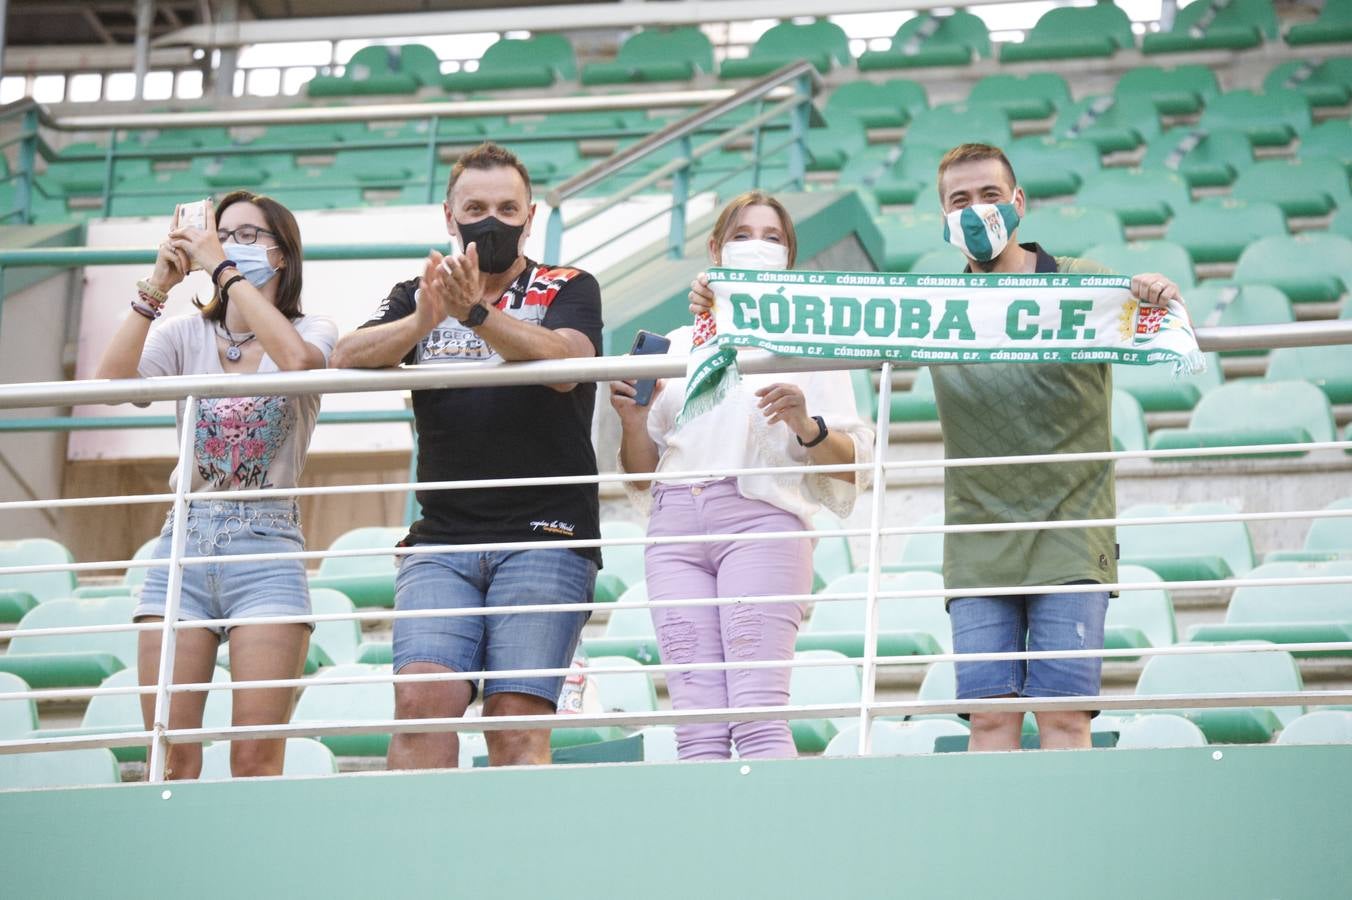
(866,709)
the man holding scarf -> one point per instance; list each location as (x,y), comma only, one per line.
(1005,409)
(489,303)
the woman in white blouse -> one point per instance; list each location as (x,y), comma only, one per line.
(765,421)
(251,250)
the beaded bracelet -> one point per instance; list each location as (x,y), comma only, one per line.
(225,264)
(150,301)
(225,288)
(148,288)
(148,312)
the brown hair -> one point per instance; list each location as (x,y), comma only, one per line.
(488,155)
(965,153)
(286,234)
(727,220)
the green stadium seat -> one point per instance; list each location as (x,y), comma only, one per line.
(304,757)
(1047,167)
(534,62)
(1221,303)
(821,42)
(879,172)
(1155,731)
(1157,390)
(1110,123)
(1218,229)
(907,235)
(1223,673)
(906,626)
(18,718)
(818,685)
(331,703)
(1288,614)
(381,70)
(338,641)
(1331,139)
(921,552)
(1034,96)
(1245,413)
(629,632)
(1323,726)
(1139,618)
(940,259)
(1327,368)
(304,138)
(1327,539)
(21,592)
(659,743)
(623,692)
(58,768)
(1271,118)
(624,562)
(1073,33)
(1186,551)
(1334,26)
(72,660)
(917,404)
(1215,25)
(1177,91)
(1202,158)
(365,580)
(1323,82)
(830,147)
(950,124)
(1129,428)
(1306,267)
(1137,196)
(1301,187)
(118,713)
(1164,257)
(1070,230)
(888,104)
(894,738)
(832,557)
(655,55)
(932,40)
(185,138)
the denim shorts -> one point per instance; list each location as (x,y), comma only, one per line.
(220,589)
(1029,622)
(498,643)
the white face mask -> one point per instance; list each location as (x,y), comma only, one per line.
(754,255)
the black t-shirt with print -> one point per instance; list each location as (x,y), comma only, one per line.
(505,432)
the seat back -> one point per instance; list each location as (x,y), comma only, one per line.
(72,612)
(1293,603)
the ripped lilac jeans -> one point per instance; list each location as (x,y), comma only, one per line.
(726,633)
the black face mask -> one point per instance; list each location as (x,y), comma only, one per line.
(496,241)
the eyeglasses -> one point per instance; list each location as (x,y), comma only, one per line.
(244,234)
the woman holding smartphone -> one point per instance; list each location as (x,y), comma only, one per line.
(765,421)
(252,322)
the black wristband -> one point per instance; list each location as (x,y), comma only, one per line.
(821,434)
(225,288)
(476,316)
(225,264)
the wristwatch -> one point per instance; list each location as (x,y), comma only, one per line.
(477,314)
(821,434)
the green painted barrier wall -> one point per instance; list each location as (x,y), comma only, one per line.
(1259,822)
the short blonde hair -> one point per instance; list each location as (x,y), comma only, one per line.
(965,153)
(727,220)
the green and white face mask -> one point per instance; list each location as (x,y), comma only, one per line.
(982,230)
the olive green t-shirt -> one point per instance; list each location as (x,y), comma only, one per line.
(1016,409)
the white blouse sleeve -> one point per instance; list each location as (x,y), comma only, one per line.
(661,418)
(831,396)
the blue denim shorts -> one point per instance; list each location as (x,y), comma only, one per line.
(1029,622)
(498,643)
(220,589)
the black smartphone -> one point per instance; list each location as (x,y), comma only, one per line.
(646,342)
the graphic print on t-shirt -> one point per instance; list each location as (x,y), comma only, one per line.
(452,342)
(238,438)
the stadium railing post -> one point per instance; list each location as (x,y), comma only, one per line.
(159,744)
(680,194)
(869,675)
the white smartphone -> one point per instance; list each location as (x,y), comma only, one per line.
(192,215)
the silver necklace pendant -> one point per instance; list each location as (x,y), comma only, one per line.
(233,353)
